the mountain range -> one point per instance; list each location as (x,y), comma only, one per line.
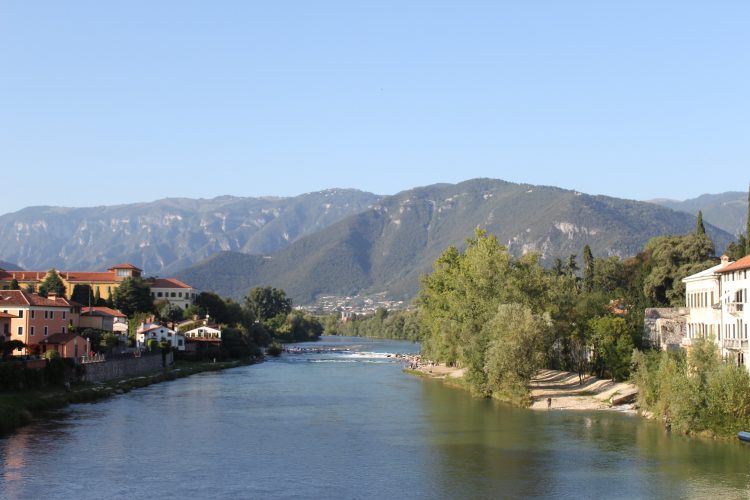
(727,211)
(386,247)
(170,234)
(343,242)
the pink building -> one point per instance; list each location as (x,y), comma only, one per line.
(36,317)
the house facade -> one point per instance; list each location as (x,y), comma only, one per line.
(173,291)
(36,317)
(147,332)
(717,305)
(104,318)
(69,345)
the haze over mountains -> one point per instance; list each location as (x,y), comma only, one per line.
(345,241)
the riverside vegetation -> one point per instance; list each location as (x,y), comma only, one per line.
(503,318)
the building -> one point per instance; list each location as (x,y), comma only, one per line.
(717,308)
(149,331)
(204,333)
(104,318)
(69,345)
(5,326)
(173,291)
(36,317)
(735,282)
(103,284)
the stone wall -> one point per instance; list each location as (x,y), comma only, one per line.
(124,367)
(665,327)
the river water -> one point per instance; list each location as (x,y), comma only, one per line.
(351,425)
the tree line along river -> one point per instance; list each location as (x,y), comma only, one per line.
(350,424)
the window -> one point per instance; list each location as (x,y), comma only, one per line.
(179,342)
(46,331)
(20,330)
(20,313)
(63,329)
(159,294)
(64,313)
(33,314)
(179,294)
(31,331)
(46,314)
(174,294)
(52,315)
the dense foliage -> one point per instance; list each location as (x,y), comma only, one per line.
(133,296)
(397,325)
(695,392)
(502,318)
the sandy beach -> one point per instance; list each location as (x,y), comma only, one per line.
(554,389)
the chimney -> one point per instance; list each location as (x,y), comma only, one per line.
(52,296)
(724,260)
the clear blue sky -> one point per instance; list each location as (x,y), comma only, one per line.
(112,102)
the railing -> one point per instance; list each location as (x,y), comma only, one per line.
(734,344)
(93,358)
(735,308)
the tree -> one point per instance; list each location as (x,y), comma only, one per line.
(736,250)
(9,346)
(699,227)
(52,283)
(14,285)
(30,288)
(213,305)
(82,294)
(588,269)
(266,303)
(172,313)
(515,351)
(571,267)
(133,296)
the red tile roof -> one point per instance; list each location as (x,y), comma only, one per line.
(102,311)
(168,283)
(125,265)
(20,298)
(7,315)
(743,263)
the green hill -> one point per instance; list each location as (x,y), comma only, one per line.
(387,247)
(727,211)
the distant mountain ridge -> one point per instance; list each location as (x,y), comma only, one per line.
(388,246)
(168,234)
(727,211)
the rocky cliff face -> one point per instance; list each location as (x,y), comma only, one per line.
(168,234)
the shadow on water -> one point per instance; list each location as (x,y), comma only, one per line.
(485,447)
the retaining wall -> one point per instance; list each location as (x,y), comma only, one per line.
(121,368)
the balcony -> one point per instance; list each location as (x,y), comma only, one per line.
(735,308)
(734,344)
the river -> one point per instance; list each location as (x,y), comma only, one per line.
(351,425)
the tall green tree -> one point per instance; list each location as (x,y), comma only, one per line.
(14,285)
(699,227)
(82,294)
(52,283)
(133,296)
(588,269)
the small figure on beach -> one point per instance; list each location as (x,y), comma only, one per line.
(549,403)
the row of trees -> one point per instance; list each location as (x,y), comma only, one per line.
(503,318)
(397,325)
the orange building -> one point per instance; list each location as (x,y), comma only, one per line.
(36,317)
(5,326)
(102,283)
(69,345)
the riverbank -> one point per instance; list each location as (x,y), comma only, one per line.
(20,408)
(550,389)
